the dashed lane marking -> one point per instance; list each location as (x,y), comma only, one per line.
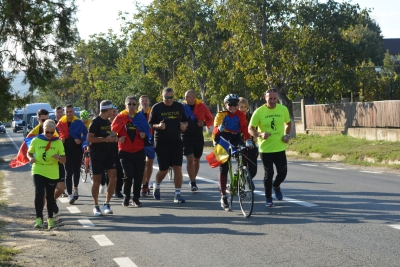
(336,168)
(86,223)
(395,226)
(63,199)
(125,262)
(311,165)
(73,210)
(102,240)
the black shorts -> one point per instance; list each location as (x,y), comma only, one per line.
(99,166)
(169,153)
(193,147)
(61,172)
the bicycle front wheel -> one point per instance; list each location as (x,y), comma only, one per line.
(83,171)
(245,193)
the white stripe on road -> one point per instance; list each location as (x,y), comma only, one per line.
(312,165)
(102,240)
(86,223)
(73,210)
(336,168)
(395,226)
(12,141)
(371,172)
(63,199)
(125,262)
(260,193)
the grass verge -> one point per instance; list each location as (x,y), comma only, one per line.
(6,253)
(355,150)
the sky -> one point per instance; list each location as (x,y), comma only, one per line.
(97,16)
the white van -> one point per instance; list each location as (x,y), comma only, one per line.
(31,110)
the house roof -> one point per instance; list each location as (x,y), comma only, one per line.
(393,45)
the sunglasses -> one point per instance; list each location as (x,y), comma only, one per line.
(131,104)
(233,104)
(47,132)
(169,97)
(43,120)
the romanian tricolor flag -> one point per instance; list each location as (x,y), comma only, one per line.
(138,120)
(22,158)
(220,154)
(200,112)
(77,129)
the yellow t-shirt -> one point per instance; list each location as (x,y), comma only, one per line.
(271,121)
(45,164)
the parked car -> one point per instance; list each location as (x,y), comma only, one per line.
(2,128)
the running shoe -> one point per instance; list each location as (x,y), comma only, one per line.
(225,203)
(136,203)
(269,202)
(278,193)
(156,193)
(179,199)
(55,207)
(151,185)
(118,194)
(102,189)
(71,199)
(106,209)
(50,223)
(144,191)
(38,223)
(75,194)
(194,188)
(97,211)
(125,203)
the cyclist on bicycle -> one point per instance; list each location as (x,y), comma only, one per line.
(230,124)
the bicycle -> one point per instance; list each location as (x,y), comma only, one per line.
(86,166)
(170,173)
(241,184)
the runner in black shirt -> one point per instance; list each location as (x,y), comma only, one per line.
(101,155)
(168,120)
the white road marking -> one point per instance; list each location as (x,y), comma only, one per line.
(102,240)
(395,226)
(312,165)
(12,141)
(63,199)
(371,172)
(336,168)
(73,210)
(260,193)
(86,223)
(124,262)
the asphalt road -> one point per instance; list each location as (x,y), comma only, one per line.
(332,215)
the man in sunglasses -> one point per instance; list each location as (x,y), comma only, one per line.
(168,120)
(231,125)
(271,125)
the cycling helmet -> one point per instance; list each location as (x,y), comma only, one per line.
(84,115)
(231,97)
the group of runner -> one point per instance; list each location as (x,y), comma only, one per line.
(124,145)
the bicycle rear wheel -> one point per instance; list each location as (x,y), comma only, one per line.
(245,193)
(170,173)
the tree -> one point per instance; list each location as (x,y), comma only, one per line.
(35,37)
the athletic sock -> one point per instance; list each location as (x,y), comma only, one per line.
(177,191)
(158,186)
